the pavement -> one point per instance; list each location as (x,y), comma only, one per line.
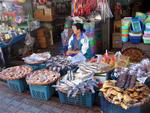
(14,102)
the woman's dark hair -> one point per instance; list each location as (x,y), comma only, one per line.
(79,26)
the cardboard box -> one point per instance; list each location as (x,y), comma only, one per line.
(46,14)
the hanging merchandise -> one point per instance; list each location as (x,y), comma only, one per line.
(105,10)
(83,7)
(19,1)
(42,1)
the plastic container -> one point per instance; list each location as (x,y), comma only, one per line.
(37,66)
(125,30)
(135,39)
(41,92)
(17,85)
(86,100)
(136,25)
(146,40)
(147,26)
(124,39)
(125,27)
(108,107)
(147,32)
(124,33)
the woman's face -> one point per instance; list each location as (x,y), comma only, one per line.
(75,30)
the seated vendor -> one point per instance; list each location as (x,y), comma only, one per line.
(78,42)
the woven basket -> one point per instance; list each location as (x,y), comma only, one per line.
(134,54)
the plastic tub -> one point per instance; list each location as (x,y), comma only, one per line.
(125,30)
(124,39)
(124,27)
(147,26)
(125,33)
(135,39)
(147,32)
(146,40)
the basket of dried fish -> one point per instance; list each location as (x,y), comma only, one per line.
(98,68)
(124,95)
(77,89)
(40,83)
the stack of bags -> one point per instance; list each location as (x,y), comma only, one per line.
(146,36)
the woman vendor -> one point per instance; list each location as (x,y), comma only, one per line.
(79,42)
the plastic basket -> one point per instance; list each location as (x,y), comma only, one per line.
(86,100)
(108,107)
(17,85)
(41,92)
(135,39)
(37,66)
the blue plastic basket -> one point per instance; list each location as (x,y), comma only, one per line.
(37,66)
(86,100)
(108,107)
(17,85)
(135,39)
(41,92)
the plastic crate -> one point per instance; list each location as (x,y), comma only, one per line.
(17,85)
(108,107)
(41,92)
(37,66)
(86,100)
(135,39)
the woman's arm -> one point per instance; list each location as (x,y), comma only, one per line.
(85,45)
(70,51)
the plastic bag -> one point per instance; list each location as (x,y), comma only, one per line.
(29,43)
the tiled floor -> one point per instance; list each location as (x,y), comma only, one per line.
(13,102)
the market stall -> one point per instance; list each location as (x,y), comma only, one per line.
(120,80)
